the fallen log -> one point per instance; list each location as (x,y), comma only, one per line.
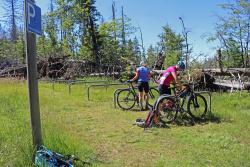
(228,71)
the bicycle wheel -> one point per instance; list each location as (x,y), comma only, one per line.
(166,109)
(153,96)
(197,106)
(126,99)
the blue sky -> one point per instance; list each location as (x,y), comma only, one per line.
(199,17)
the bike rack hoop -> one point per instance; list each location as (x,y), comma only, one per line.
(83,82)
(102,85)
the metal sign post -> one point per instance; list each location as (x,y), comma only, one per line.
(30,14)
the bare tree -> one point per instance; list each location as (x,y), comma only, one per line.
(123,33)
(142,45)
(114,18)
(185,35)
(219,59)
(12,15)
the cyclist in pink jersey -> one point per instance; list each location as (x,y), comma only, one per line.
(169,76)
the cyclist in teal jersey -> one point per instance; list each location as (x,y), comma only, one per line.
(143,75)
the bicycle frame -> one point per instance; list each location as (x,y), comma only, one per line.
(189,94)
(132,89)
(131,86)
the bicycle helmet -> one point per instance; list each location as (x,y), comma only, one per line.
(181,65)
(142,63)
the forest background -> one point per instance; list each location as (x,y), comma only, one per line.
(77,29)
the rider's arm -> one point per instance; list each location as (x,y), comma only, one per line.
(136,76)
(158,78)
(175,77)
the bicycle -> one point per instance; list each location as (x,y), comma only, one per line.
(168,106)
(127,98)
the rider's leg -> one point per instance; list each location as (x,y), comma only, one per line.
(146,89)
(141,100)
(146,99)
(164,89)
(140,88)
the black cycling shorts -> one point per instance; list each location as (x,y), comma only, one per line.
(164,89)
(143,86)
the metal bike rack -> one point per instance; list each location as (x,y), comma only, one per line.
(84,82)
(102,85)
(71,82)
(53,81)
(59,81)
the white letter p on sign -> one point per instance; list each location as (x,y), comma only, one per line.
(31,12)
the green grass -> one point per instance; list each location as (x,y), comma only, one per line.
(96,132)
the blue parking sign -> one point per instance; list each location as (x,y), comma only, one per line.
(34,18)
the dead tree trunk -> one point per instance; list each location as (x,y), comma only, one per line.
(219,59)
